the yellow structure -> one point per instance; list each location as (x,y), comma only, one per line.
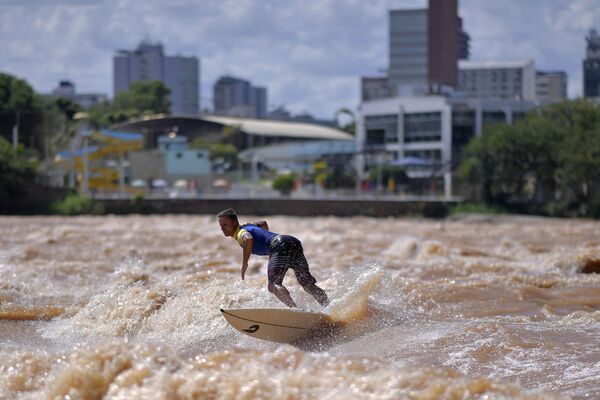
(105,155)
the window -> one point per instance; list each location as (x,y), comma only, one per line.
(423,127)
(375,137)
(385,125)
(494,117)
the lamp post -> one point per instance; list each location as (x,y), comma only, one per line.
(380,158)
(86,167)
(84,133)
(15,137)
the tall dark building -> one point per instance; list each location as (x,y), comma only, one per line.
(149,63)
(424,48)
(464,41)
(443,31)
(238,98)
(591,66)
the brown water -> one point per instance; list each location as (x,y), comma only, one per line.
(128,308)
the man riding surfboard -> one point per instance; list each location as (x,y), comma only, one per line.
(284,252)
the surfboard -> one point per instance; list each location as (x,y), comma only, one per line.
(282,325)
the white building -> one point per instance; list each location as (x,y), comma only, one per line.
(514,80)
(426,134)
(551,86)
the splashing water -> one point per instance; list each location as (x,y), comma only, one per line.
(350,301)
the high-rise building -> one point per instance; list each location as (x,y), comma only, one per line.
(148,63)
(591,66)
(238,98)
(424,48)
(443,31)
(408,51)
(464,40)
(498,79)
(551,86)
(182,78)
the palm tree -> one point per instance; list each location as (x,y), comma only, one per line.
(349,127)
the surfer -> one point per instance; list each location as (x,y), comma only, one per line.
(284,252)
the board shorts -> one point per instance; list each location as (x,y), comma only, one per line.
(286,252)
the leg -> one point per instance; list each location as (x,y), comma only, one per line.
(279,261)
(276,275)
(308,282)
(318,293)
(282,294)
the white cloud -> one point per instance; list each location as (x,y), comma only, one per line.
(309,54)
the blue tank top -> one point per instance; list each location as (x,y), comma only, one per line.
(262,239)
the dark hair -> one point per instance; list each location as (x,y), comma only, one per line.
(229,213)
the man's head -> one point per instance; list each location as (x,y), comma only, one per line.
(228,221)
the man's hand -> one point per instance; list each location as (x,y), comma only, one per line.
(244,268)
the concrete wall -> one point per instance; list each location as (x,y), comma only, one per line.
(279,206)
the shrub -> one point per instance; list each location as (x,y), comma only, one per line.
(284,183)
(475,208)
(75,204)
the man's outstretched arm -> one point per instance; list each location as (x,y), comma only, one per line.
(246,252)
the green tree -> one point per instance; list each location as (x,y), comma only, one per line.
(148,97)
(21,106)
(67,107)
(284,183)
(17,170)
(548,162)
(349,127)
(142,98)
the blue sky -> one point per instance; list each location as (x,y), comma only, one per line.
(309,54)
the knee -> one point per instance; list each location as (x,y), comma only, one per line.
(272,288)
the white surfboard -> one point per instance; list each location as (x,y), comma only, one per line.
(283,325)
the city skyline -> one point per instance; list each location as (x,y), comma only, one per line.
(309,55)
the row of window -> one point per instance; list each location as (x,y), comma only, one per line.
(424,127)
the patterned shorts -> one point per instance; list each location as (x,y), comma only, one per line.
(286,252)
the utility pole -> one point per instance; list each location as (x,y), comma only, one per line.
(15,137)
(86,166)
(15,132)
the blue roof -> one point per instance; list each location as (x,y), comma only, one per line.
(411,161)
(122,135)
(77,153)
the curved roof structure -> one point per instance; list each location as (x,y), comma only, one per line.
(249,132)
(265,127)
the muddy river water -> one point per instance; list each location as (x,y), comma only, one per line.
(468,307)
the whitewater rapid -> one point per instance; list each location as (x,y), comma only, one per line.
(128,307)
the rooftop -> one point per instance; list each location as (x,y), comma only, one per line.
(493,64)
(265,127)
